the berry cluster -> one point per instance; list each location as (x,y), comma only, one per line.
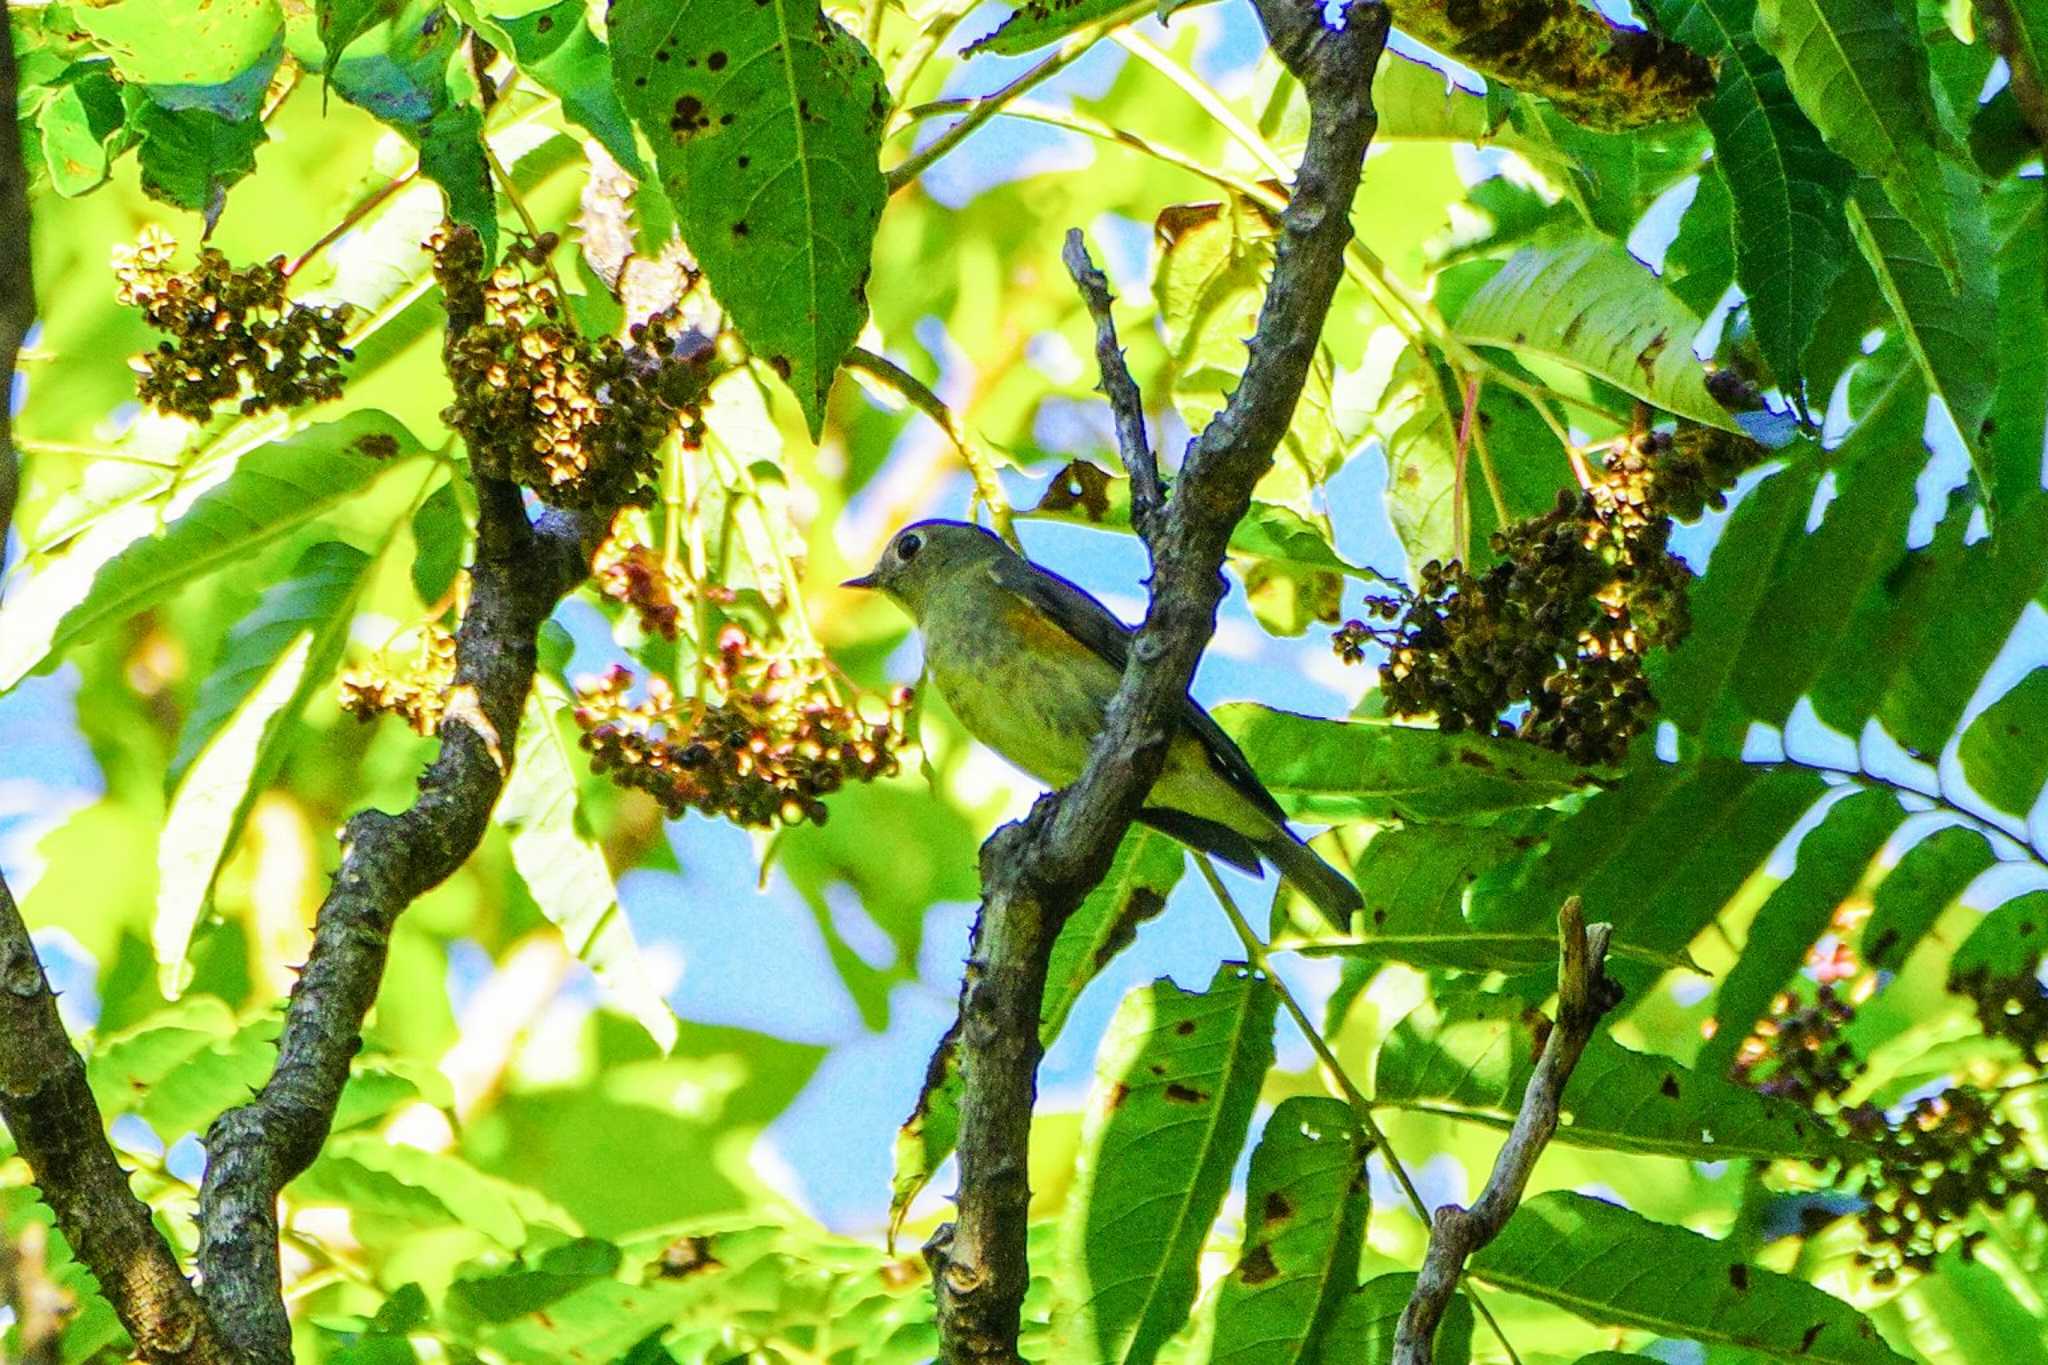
(580,422)
(1952,1153)
(2013,1007)
(1564,618)
(416,690)
(1798,1053)
(775,745)
(232,333)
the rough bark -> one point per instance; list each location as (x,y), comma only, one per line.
(1035,873)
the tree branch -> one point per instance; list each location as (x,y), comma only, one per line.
(56,1124)
(1148,495)
(521,571)
(1584,995)
(2015,42)
(17,278)
(1036,872)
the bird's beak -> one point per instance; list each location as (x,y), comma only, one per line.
(866,580)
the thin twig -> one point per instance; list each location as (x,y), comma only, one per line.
(17,279)
(1260,958)
(1148,494)
(987,107)
(1584,995)
(915,392)
(1035,873)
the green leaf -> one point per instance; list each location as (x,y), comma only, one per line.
(1657,855)
(1583,301)
(273,490)
(1965,1311)
(1336,771)
(2019,410)
(1952,333)
(405,65)
(1306,1204)
(173,45)
(341,22)
(553,44)
(1209,284)
(1860,73)
(2004,752)
(126,1066)
(766,123)
(1146,868)
(1417,421)
(190,157)
(1789,189)
(564,868)
(365,1174)
(1371,1313)
(1176,1081)
(1699,265)
(1928,879)
(1471,1056)
(239,731)
(1832,860)
(439,537)
(1035,23)
(1615,1267)
(78,127)
(2008,944)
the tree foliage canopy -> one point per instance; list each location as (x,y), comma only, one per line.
(1633,508)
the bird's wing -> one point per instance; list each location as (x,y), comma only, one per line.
(1095,626)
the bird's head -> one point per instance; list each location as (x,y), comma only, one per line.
(923,557)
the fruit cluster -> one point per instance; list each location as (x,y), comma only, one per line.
(1798,1052)
(1563,619)
(631,572)
(233,334)
(1951,1154)
(775,744)
(415,690)
(580,422)
(2013,1007)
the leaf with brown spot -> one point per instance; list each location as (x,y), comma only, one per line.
(1308,1184)
(1081,484)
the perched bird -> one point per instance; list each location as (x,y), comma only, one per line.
(1029,662)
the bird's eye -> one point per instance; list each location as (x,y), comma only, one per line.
(908,546)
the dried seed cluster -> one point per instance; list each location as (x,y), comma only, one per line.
(233,335)
(1563,620)
(775,745)
(579,421)
(415,689)
(631,572)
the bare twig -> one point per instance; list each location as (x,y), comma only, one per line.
(1584,994)
(1148,495)
(1035,873)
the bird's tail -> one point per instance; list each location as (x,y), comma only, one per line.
(1332,891)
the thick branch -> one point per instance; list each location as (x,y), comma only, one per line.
(56,1124)
(521,571)
(1035,873)
(1148,495)
(17,279)
(1584,995)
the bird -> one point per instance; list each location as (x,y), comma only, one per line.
(1028,661)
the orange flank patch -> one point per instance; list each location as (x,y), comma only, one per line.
(1040,635)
